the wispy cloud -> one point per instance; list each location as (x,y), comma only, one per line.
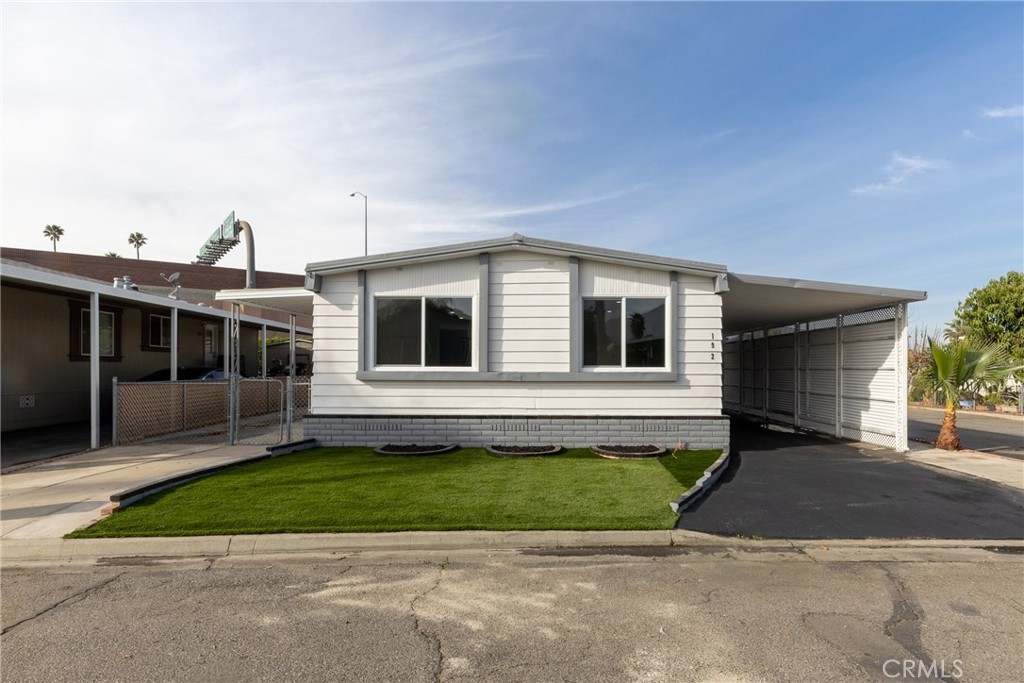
(1014,112)
(969,134)
(898,171)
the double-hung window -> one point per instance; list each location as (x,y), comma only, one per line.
(624,332)
(428,332)
(110,333)
(159,331)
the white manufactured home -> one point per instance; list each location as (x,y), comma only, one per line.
(529,341)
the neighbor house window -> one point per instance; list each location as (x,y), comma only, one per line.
(110,333)
(424,332)
(159,331)
(624,332)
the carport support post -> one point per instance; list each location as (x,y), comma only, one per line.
(796,375)
(174,344)
(263,343)
(233,375)
(901,377)
(290,390)
(94,370)
(113,419)
(839,376)
(764,376)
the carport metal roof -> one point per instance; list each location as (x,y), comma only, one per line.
(756,301)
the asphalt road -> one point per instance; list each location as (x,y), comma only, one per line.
(662,614)
(781,485)
(978,431)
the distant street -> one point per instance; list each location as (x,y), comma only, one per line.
(771,613)
(978,431)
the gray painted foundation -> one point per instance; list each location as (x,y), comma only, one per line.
(569,431)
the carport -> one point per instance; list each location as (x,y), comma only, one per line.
(821,356)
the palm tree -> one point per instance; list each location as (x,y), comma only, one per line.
(958,366)
(54,232)
(112,254)
(136,239)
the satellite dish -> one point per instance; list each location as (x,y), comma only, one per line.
(173,279)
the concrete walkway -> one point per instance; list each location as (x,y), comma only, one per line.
(52,498)
(997,468)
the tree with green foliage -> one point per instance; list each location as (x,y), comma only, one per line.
(994,314)
(54,232)
(112,254)
(961,365)
(136,239)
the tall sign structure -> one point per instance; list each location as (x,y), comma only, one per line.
(223,239)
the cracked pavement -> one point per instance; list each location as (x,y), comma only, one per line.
(516,616)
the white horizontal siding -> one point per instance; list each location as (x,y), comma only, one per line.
(528,302)
(610,279)
(459,277)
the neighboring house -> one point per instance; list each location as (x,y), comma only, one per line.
(523,340)
(46,369)
(198,284)
(279,352)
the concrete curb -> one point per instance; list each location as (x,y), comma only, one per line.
(58,550)
(123,499)
(693,494)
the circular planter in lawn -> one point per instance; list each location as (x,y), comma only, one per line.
(617,452)
(522,451)
(414,449)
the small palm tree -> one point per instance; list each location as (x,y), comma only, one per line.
(54,232)
(958,366)
(136,239)
(112,254)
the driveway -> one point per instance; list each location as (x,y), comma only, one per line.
(781,485)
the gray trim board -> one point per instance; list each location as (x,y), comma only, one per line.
(483,322)
(363,343)
(456,376)
(575,303)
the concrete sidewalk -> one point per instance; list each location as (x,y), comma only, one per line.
(997,468)
(53,498)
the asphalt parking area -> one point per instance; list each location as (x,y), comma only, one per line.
(781,485)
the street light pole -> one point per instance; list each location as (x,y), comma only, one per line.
(366,214)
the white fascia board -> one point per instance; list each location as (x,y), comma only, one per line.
(48,279)
(292,300)
(837,287)
(516,242)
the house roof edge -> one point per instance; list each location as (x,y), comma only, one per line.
(513,242)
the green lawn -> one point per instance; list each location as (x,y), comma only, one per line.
(353,489)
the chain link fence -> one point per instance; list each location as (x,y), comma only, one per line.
(200,411)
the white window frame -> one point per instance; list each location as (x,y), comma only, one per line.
(149,330)
(622,367)
(84,337)
(473,339)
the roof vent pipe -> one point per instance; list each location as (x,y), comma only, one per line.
(118,283)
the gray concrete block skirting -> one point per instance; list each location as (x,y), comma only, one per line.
(571,431)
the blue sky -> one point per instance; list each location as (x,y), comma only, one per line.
(872,143)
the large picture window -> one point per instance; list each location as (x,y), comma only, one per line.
(624,332)
(424,332)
